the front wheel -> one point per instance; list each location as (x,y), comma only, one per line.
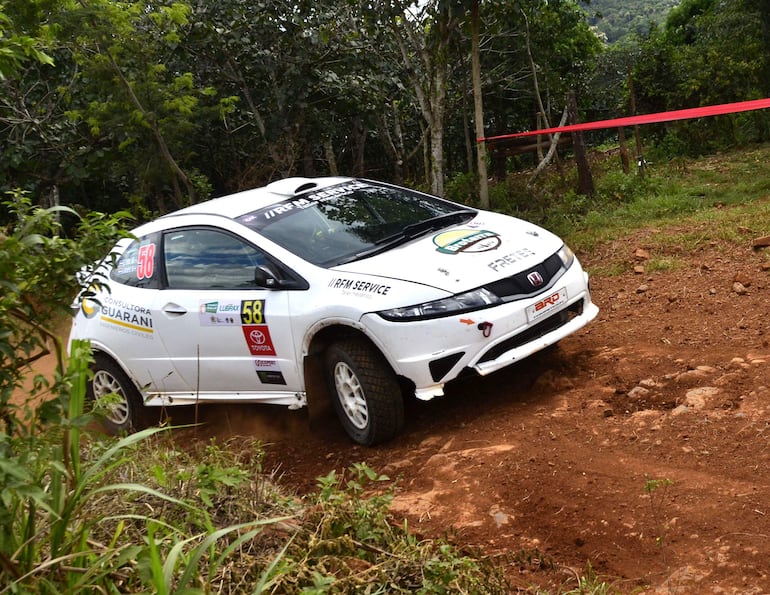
(365,391)
(125,412)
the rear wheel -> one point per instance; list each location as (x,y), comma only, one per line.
(365,391)
(126,412)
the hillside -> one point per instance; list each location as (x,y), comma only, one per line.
(617,18)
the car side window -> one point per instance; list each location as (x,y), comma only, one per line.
(137,266)
(209,259)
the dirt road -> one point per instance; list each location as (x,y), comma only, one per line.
(640,446)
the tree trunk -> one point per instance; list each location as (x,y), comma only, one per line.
(551,150)
(359,143)
(632,98)
(542,111)
(624,161)
(764,14)
(478,108)
(585,179)
(434,73)
(393,151)
(331,160)
(467,141)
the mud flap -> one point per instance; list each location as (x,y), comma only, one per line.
(321,416)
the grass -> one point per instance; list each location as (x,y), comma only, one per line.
(84,513)
(720,195)
(677,207)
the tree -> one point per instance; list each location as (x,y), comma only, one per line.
(423,34)
(707,53)
(478,105)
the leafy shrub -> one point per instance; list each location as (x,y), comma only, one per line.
(38,267)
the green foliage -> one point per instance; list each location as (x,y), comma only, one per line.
(590,583)
(356,546)
(38,267)
(707,53)
(618,19)
(15,48)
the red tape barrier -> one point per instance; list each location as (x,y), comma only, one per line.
(682,114)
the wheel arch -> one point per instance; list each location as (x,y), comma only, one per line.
(319,399)
(98,350)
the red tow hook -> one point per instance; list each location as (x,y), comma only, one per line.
(485,328)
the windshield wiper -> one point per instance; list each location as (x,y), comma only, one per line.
(412,231)
(417,229)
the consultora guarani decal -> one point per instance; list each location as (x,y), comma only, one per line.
(119,315)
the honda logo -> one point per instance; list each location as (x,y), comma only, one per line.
(535,279)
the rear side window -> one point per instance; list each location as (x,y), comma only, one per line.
(209,259)
(138,265)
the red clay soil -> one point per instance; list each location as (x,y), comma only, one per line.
(639,446)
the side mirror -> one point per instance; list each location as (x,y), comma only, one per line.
(271,276)
(266,276)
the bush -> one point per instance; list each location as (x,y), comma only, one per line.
(38,267)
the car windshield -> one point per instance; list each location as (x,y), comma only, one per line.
(353,220)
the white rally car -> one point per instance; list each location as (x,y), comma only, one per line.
(376,290)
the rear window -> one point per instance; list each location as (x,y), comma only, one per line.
(138,265)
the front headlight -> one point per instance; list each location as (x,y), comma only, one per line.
(566,255)
(456,304)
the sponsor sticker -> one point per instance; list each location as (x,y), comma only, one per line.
(219,312)
(358,287)
(280,210)
(119,315)
(258,339)
(550,302)
(466,240)
(511,258)
(269,371)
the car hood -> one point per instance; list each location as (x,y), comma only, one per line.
(455,259)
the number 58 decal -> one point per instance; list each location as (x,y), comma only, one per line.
(145,265)
(253,312)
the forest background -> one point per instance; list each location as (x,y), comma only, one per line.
(152,105)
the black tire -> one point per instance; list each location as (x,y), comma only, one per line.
(365,391)
(129,413)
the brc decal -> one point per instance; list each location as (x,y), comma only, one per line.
(549,301)
(258,340)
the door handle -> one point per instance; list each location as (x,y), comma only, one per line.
(174,310)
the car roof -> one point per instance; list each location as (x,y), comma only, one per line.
(246,201)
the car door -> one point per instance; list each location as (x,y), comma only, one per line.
(227,337)
(125,325)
